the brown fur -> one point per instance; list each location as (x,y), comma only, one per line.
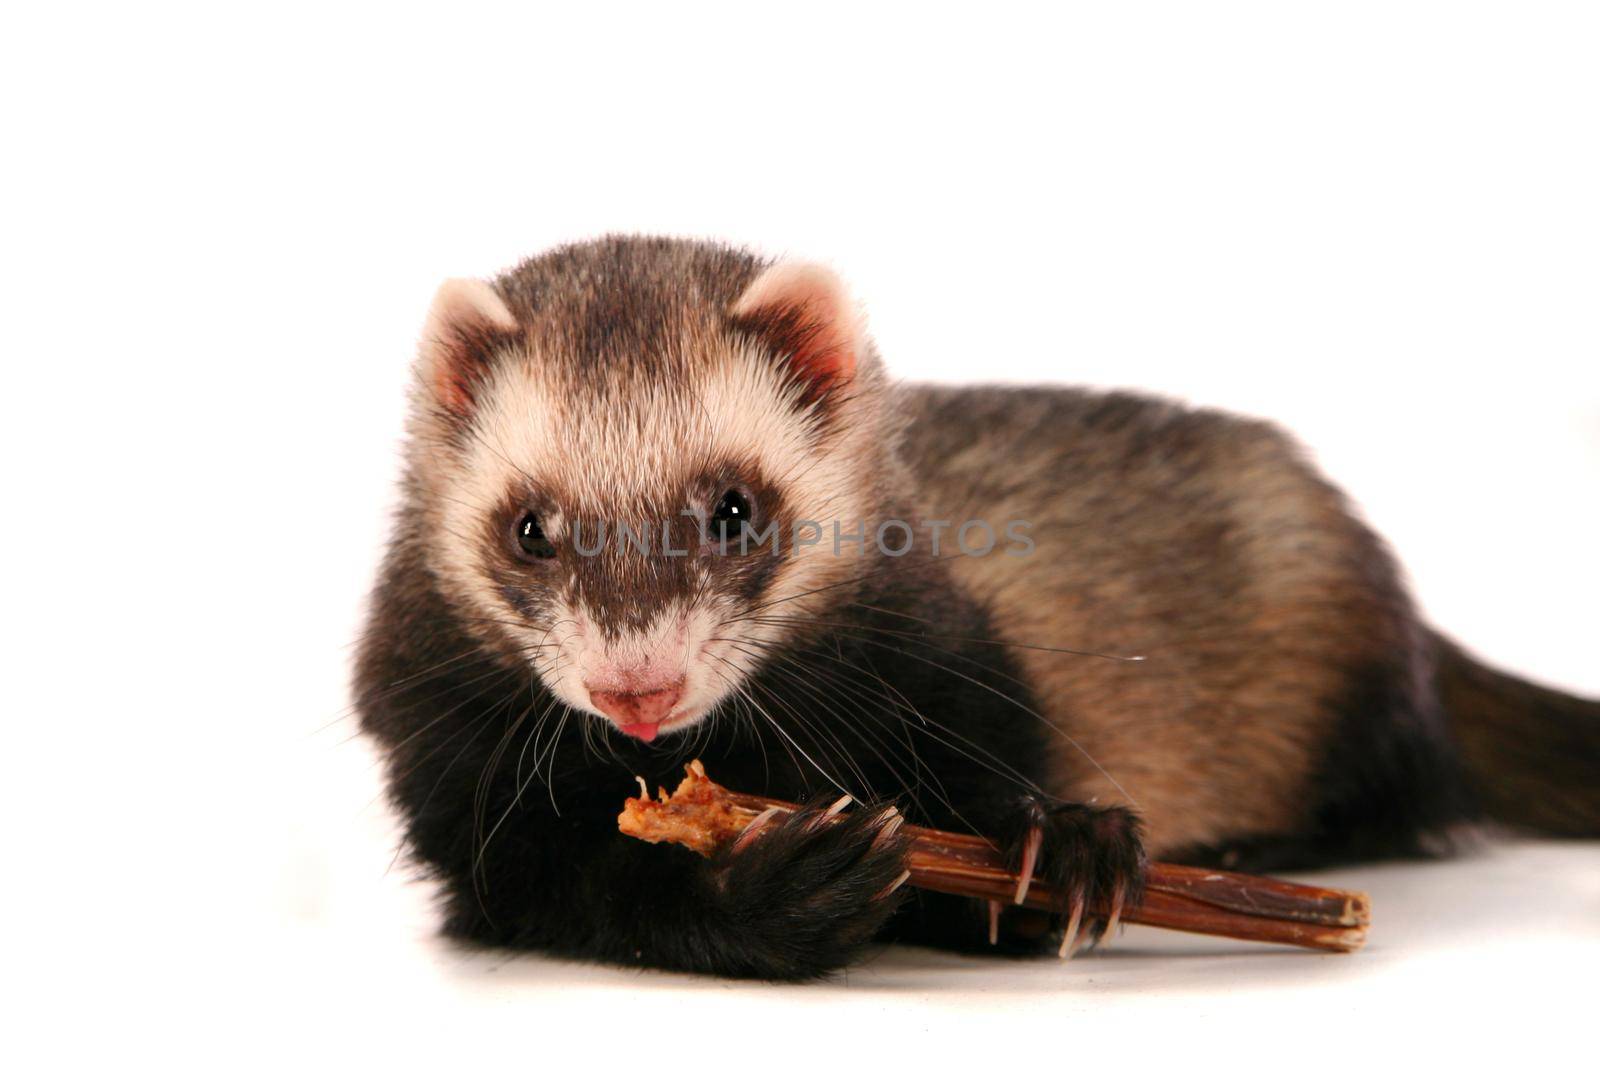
(1286,690)
(625,380)
(1201,541)
(1284,709)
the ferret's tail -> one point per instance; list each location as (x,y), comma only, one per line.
(1532,754)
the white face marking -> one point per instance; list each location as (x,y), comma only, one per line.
(629,460)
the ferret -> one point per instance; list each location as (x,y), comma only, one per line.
(660,500)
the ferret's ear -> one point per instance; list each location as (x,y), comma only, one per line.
(465,322)
(805,313)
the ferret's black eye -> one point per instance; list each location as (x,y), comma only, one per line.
(530,538)
(730,518)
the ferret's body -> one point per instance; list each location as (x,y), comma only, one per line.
(1276,634)
(1198,651)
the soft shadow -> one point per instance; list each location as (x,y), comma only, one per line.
(1504,892)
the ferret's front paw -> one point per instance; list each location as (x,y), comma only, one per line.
(1094,854)
(807,891)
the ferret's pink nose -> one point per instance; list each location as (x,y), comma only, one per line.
(638,714)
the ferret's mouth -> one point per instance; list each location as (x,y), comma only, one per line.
(647,732)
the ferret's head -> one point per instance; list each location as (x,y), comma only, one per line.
(620,453)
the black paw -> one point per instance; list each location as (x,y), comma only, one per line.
(1093,855)
(806,892)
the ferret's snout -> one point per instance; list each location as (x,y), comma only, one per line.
(638,714)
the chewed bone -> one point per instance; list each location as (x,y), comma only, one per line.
(706,818)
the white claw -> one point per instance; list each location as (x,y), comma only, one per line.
(1069,939)
(892,886)
(1116,913)
(839,805)
(644,790)
(1030,860)
(994,921)
(748,833)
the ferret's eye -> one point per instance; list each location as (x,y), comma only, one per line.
(530,538)
(730,518)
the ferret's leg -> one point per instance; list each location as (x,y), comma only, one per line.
(796,900)
(1094,853)
(814,889)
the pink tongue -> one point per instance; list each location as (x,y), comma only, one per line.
(644,731)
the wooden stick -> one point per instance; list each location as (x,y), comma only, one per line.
(702,815)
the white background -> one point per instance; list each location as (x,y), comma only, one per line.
(1375,223)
